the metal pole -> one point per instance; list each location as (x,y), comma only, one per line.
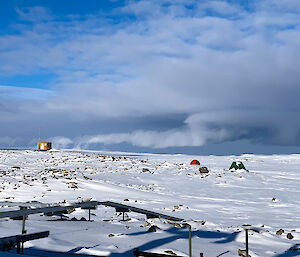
(23,225)
(190,240)
(89,214)
(247,249)
(18,247)
(23,232)
(123,216)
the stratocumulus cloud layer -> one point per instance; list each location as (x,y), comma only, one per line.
(155,74)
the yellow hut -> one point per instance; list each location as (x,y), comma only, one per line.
(44,146)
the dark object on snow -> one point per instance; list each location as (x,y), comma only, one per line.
(170,252)
(83,219)
(203,170)
(73,219)
(8,243)
(289,236)
(195,162)
(279,232)
(242,253)
(237,166)
(137,253)
(152,229)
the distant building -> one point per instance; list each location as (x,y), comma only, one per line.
(44,146)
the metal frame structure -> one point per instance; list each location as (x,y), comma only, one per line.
(9,242)
(149,214)
(90,205)
(25,211)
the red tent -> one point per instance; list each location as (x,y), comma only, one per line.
(195,162)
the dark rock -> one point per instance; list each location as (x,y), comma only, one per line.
(289,236)
(203,170)
(83,219)
(279,232)
(170,252)
(242,253)
(246,225)
(152,228)
(74,219)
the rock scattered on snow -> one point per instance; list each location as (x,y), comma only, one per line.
(242,253)
(289,236)
(203,170)
(170,252)
(202,222)
(279,232)
(152,228)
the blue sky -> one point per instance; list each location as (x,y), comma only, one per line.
(158,76)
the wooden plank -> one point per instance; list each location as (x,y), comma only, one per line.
(25,237)
(9,242)
(139,210)
(85,205)
(51,209)
(32,236)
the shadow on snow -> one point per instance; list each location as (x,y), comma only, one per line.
(222,238)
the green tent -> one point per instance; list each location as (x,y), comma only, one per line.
(237,166)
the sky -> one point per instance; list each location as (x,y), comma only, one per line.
(161,76)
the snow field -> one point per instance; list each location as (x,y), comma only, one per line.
(217,205)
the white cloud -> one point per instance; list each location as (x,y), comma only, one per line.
(155,139)
(33,14)
(20,93)
(60,142)
(221,7)
(226,77)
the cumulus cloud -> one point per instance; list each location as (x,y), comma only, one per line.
(229,72)
(185,136)
(60,142)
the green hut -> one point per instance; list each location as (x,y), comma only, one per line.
(237,166)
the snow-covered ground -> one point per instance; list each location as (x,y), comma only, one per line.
(216,205)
